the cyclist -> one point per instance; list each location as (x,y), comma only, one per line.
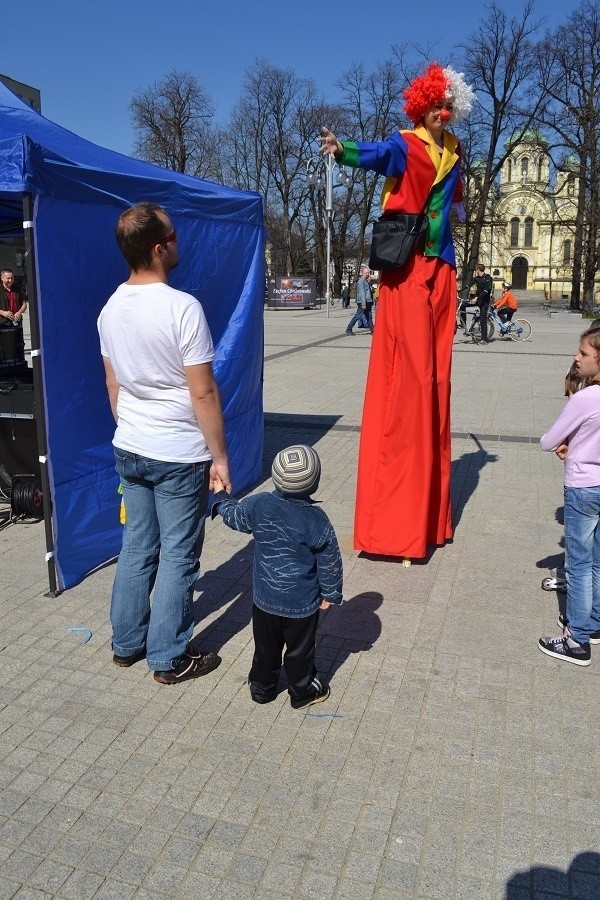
(506,305)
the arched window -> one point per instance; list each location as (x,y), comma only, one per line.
(540,169)
(528,232)
(509,170)
(524,168)
(567,253)
(514,232)
(571,184)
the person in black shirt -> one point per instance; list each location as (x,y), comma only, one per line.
(485,288)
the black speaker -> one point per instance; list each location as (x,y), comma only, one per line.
(19,454)
(12,349)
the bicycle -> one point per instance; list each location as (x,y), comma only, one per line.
(516,330)
(473,330)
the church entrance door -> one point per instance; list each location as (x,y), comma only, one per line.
(520,267)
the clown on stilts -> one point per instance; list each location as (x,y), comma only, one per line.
(404,463)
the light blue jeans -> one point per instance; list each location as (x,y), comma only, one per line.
(166,506)
(582,561)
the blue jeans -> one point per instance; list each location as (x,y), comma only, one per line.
(582,561)
(166,506)
(358,315)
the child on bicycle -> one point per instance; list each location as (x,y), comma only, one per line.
(575,438)
(506,305)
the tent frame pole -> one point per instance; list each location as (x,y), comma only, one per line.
(38,385)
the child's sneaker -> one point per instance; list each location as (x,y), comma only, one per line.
(565,648)
(555,583)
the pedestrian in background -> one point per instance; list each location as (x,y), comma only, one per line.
(364,301)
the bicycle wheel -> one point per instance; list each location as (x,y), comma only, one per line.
(520,330)
(491,329)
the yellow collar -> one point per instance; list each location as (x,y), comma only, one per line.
(447,159)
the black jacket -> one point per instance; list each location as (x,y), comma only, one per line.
(485,287)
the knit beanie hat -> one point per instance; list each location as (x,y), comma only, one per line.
(296,470)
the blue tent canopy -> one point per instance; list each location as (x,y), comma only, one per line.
(78,191)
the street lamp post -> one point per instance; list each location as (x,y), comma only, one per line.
(319,175)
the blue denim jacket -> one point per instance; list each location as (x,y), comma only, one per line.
(296,555)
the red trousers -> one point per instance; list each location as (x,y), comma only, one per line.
(404,462)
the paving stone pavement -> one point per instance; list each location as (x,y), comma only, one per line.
(453,760)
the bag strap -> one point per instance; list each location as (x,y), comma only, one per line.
(419,220)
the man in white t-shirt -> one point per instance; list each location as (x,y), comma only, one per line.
(169,448)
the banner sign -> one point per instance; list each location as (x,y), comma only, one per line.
(292,292)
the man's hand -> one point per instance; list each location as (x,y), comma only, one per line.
(329,143)
(6,314)
(562,450)
(219,478)
(325,604)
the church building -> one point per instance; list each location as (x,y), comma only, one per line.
(528,238)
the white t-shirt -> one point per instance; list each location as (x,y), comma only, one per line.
(150,332)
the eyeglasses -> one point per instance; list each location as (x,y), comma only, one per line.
(170,238)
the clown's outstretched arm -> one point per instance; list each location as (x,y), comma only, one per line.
(386,157)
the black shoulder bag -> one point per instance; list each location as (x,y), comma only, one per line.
(395,237)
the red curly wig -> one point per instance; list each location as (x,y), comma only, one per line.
(424,91)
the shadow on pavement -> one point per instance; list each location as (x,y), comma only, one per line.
(465,477)
(350,628)
(557,559)
(581,880)
(228,587)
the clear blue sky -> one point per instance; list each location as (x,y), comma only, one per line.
(89,58)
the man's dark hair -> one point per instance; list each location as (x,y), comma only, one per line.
(2,271)
(480,266)
(139,228)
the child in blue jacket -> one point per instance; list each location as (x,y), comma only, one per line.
(297,571)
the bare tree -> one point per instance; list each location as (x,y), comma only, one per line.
(172,124)
(269,141)
(569,59)
(372,109)
(500,62)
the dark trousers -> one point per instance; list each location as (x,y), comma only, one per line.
(484,308)
(271,634)
(506,313)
